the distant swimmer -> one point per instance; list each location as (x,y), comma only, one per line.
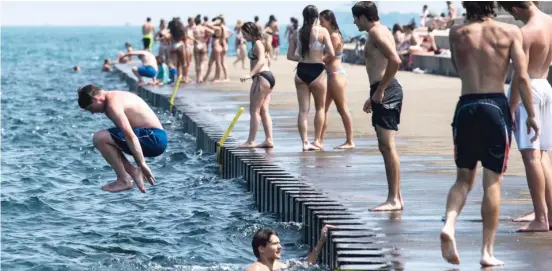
(76,69)
(137,132)
(537,44)
(148,32)
(307,47)
(261,87)
(148,68)
(106,66)
(482,123)
(337,80)
(386,95)
(268,250)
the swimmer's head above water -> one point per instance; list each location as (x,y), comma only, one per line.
(90,99)
(266,245)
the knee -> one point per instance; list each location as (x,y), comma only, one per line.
(341,110)
(101,138)
(385,147)
(530,156)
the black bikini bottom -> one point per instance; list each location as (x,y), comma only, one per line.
(269,77)
(307,72)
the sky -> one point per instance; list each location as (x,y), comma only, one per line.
(118,13)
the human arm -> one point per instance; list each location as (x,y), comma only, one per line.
(335,39)
(452,41)
(312,258)
(387,49)
(259,50)
(116,113)
(292,46)
(521,77)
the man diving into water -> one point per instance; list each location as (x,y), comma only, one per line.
(137,132)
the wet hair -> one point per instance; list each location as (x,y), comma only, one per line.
(176,28)
(271,19)
(397,27)
(510,5)
(127,44)
(366,8)
(330,17)
(106,61)
(197,19)
(148,19)
(256,19)
(479,10)
(251,29)
(86,94)
(261,238)
(310,14)
(76,68)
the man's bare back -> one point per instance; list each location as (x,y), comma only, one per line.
(481,54)
(137,111)
(537,36)
(373,57)
(148,28)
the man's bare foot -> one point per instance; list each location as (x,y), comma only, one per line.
(535,226)
(448,246)
(247,145)
(138,178)
(141,83)
(345,145)
(265,145)
(388,206)
(117,186)
(318,144)
(309,147)
(525,218)
(487,260)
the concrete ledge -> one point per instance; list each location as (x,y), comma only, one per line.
(352,244)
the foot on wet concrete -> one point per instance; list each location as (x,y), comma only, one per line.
(265,145)
(247,145)
(535,226)
(346,145)
(525,218)
(448,246)
(138,178)
(489,260)
(309,147)
(389,205)
(318,144)
(118,186)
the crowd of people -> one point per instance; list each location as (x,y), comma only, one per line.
(483,122)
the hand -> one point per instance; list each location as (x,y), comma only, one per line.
(513,120)
(324,231)
(245,78)
(377,97)
(146,171)
(532,124)
(368,106)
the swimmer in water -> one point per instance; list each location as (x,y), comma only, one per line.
(482,122)
(106,66)
(137,132)
(268,250)
(76,69)
(261,87)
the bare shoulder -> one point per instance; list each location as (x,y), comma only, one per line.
(379,31)
(255,267)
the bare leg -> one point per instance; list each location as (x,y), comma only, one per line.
(386,143)
(135,173)
(108,148)
(547,169)
(265,115)
(318,90)
(536,183)
(490,210)
(209,66)
(328,104)
(218,66)
(338,85)
(255,103)
(224,67)
(303,97)
(189,53)
(457,196)
(135,71)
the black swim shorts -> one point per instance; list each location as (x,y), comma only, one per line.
(482,131)
(387,115)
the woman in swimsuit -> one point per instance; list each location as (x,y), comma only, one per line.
(217,43)
(261,87)
(241,47)
(337,80)
(177,44)
(189,42)
(275,37)
(307,47)
(224,42)
(200,47)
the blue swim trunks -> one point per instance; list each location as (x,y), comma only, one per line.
(152,140)
(147,71)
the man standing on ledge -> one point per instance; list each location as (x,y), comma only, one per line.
(537,44)
(386,95)
(481,50)
(137,132)
(148,32)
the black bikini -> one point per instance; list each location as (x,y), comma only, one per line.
(266,74)
(308,72)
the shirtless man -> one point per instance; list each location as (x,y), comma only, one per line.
(482,122)
(386,95)
(137,132)
(267,249)
(451,13)
(537,44)
(148,31)
(148,68)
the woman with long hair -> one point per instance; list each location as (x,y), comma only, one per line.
(307,47)
(189,49)
(337,80)
(217,48)
(178,40)
(261,87)
(199,33)
(241,47)
(275,36)
(224,42)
